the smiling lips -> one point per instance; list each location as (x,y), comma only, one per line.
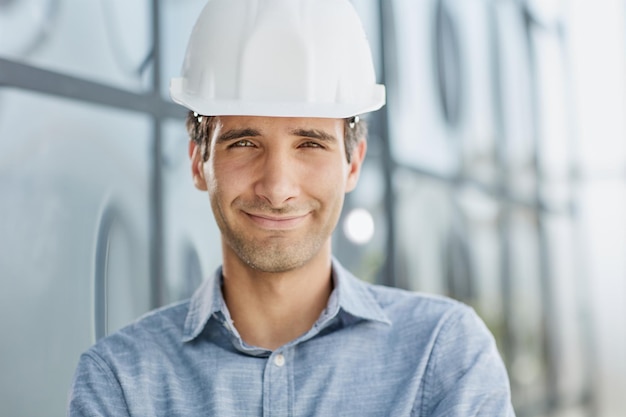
(267,221)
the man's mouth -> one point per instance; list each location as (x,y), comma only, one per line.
(277,222)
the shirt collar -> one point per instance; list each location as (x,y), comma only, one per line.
(205,301)
(354,296)
(351,295)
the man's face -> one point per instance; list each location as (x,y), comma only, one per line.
(276,187)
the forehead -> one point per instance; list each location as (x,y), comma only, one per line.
(287,125)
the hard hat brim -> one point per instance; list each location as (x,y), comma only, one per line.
(212,107)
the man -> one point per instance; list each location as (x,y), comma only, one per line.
(274,89)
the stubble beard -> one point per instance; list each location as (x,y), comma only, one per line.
(274,254)
(279,251)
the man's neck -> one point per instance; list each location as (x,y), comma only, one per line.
(271,309)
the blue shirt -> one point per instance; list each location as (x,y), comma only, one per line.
(374,351)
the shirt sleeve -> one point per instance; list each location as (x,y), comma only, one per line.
(465,376)
(95,390)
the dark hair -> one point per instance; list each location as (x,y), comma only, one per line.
(200,128)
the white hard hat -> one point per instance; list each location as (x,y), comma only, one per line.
(292,58)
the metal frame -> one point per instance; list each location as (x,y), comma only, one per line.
(21,76)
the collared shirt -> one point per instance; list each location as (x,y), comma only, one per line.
(374,351)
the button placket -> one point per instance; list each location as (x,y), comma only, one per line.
(277,394)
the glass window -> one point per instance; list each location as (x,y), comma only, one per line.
(107,41)
(62,165)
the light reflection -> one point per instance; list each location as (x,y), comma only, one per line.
(359,226)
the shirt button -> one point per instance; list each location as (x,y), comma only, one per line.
(279,360)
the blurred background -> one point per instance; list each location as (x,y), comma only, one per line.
(496,175)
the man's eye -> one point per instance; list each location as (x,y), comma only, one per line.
(311,145)
(243,143)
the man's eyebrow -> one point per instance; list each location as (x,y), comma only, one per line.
(314,134)
(237,134)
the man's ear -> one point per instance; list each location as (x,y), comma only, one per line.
(358,156)
(197,166)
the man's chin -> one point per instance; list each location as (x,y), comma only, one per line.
(276,255)
(272,264)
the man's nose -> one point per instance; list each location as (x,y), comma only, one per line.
(277,182)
